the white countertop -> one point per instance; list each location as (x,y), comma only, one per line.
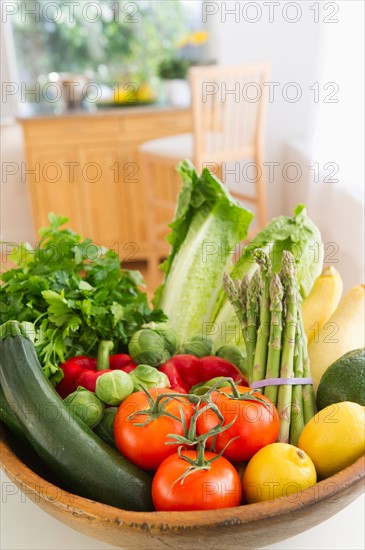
(24,526)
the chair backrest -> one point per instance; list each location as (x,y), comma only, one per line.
(228,105)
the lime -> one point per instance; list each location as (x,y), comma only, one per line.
(277,470)
(335,437)
(344,380)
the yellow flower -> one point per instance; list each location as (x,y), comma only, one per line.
(195,38)
(199,37)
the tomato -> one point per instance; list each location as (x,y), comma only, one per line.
(255,425)
(146,446)
(218,487)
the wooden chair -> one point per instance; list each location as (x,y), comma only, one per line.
(228,105)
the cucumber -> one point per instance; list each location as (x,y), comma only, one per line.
(88,466)
(10,419)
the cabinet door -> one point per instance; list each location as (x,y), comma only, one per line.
(53,182)
(112,203)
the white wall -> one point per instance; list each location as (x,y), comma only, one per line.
(296,52)
(293,50)
(336,211)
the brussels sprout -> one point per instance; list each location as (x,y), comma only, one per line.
(234,355)
(203,387)
(148,347)
(148,377)
(105,428)
(168,334)
(198,345)
(113,387)
(86,405)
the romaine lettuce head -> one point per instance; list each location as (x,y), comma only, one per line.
(207,226)
(300,236)
(297,234)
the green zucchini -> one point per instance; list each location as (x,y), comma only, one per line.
(10,419)
(88,466)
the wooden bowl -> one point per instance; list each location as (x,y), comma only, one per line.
(243,527)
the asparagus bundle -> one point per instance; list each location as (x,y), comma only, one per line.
(297,416)
(263,332)
(276,329)
(268,307)
(288,277)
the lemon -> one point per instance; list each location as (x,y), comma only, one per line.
(277,470)
(335,437)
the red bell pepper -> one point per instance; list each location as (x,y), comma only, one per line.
(84,371)
(185,371)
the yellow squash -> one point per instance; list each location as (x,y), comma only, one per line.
(322,301)
(344,331)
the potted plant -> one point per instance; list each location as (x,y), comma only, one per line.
(173,71)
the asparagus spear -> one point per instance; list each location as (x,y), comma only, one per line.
(263,333)
(276,328)
(253,300)
(297,420)
(242,297)
(231,289)
(286,365)
(237,294)
(309,400)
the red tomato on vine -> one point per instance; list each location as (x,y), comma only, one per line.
(219,486)
(143,438)
(255,423)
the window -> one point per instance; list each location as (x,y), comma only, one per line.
(108,41)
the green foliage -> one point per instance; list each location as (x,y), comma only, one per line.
(127,39)
(174,67)
(75,294)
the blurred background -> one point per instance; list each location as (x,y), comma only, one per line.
(84,84)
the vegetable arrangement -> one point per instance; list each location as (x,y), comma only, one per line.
(159,408)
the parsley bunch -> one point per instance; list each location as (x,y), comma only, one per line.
(75,294)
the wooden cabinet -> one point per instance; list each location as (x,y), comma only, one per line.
(86,167)
(51,187)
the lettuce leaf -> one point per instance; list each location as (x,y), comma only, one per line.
(299,235)
(207,226)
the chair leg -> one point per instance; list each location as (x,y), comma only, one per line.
(150,222)
(219,173)
(153,272)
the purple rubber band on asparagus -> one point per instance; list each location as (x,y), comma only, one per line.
(281,382)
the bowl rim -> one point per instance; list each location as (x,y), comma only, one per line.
(35,486)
